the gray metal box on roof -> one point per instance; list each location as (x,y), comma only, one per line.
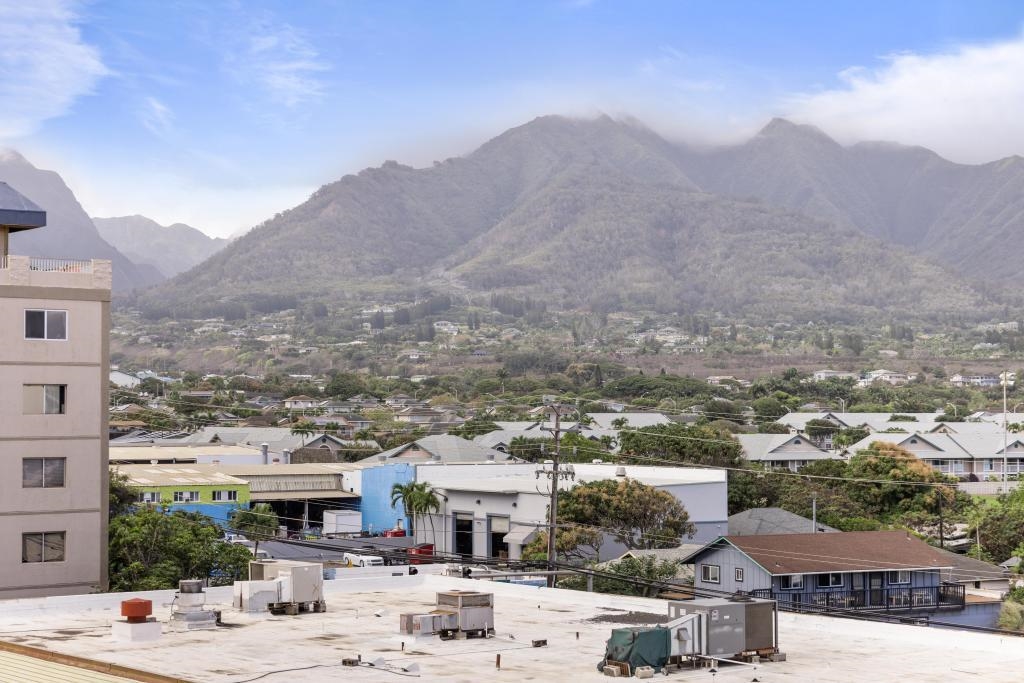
(731,627)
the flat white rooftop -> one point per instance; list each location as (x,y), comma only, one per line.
(363,615)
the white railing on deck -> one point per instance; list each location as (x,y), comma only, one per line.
(59,265)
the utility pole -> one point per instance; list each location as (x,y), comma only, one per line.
(1006,379)
(814,513)
(554,476)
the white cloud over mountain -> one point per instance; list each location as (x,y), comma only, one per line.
(966,103)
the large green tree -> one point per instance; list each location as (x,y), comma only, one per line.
(153,549)
(258,523)
(635,514)
(123,495)
(894,481)
(680,444)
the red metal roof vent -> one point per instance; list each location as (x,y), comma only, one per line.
(136,610)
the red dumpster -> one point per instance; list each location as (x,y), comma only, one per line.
(421,554)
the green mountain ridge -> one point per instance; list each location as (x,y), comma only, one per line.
(605,215)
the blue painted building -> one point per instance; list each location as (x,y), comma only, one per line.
(377,482)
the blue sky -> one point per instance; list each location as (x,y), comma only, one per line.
(220,114)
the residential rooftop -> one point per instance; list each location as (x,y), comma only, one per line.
(362,620)
(852,551)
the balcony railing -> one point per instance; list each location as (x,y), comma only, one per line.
(51,265)
(35,271)
(59,265)
(946,595)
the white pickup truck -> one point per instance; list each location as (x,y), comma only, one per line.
(360,560)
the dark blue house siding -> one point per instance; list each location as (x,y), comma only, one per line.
(877,590)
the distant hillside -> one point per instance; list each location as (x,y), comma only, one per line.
(171,249)
(594,214)
(970,217)
(69,232)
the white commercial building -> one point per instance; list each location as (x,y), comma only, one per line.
(494,509)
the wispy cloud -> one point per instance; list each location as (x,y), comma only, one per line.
(677,70)
(965,103)
(277,58)
(45,66)
(157,117)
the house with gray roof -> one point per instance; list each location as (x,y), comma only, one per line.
(882,571)
(768,521)
(443,448)
(782,451)
(968,456)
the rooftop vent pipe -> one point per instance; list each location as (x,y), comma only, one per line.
(265,451)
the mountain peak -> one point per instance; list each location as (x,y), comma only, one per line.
(779,128)
(11,156)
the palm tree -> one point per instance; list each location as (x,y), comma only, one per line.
(418,498)
(257,523)
(304,428)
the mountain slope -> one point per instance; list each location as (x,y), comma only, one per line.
(69,232)
(398,221)
(170,249)
(596,214)
(970,217)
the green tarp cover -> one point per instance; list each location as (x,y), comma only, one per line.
(645,646)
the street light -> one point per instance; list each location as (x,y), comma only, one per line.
(955,413)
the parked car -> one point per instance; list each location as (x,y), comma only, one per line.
(360,560)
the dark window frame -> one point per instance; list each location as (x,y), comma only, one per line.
(799,582)
(896,581)
(61,399)
(61,554)
(45,333)
(705,573)
(43,471)
(829,583)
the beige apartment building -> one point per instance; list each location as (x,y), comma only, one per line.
(53,416)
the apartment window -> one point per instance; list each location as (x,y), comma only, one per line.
(42,473)
(225,496)
(44,546)
(41,324)
(738,574)
(186,496)
(44,399)
(899,577)
(149,497)
(791,582)
(830,580)
(710,573)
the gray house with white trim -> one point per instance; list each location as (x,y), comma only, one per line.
(861,570)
